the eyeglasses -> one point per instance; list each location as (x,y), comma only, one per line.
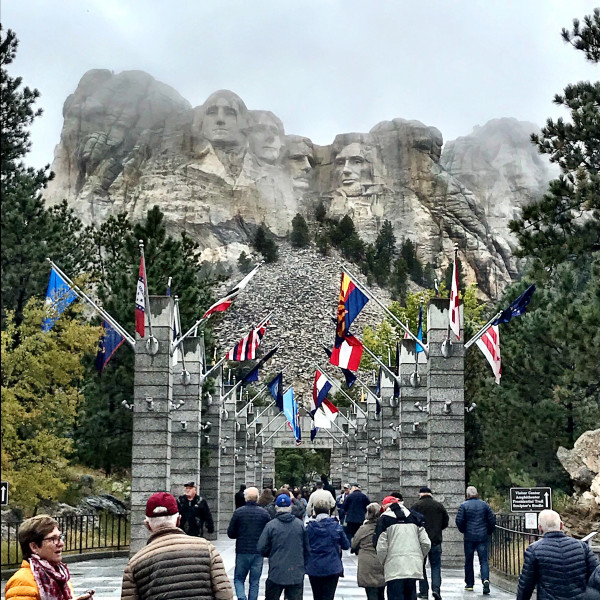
(55,539)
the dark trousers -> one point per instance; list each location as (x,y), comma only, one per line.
(350,529)
(323,588)
(435,562)
(482,551)
(292,592)
(402,589)
(375,593)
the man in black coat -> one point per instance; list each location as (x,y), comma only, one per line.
(194,512)
(246,526)
(558,565)
(239,497)
(327,486)
(436,520)
(355,508)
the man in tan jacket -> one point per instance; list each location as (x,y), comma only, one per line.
(173,565)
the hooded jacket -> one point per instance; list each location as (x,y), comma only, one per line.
(370,570)
(401,542)
(285,542)
(325,537)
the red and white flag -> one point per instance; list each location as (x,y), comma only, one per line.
(325,415)
(224,303)
(140,300)
(455,302)
(349,353)
(245,349)
(489,344)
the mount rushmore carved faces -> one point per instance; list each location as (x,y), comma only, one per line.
(299,161)
(353,170)
(224,117)
(265,136)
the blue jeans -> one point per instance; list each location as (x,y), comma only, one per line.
(435,562)
(245,563)
(482,552)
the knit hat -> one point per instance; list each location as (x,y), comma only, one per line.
(161,504)
(388,500)
(425,490)
(283,500)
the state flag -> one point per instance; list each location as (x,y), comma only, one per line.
(59,296)
(325,415)
(347,354)
(246,348)
(351,302)
(140,300)
(276,388)
(109,343)
(349,376)
(321,387)
(454,313)
(224,303)
(517,307)
(420,330)
(252,375)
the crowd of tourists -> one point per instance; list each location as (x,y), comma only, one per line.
(307,534)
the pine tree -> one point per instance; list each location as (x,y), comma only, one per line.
(264,244)
(300,237)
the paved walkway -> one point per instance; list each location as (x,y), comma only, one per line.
(104,575)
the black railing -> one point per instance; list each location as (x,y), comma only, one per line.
(83,533)
(509,542)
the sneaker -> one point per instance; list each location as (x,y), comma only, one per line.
(468,588)
(436,596)
(486,586)
(422,596)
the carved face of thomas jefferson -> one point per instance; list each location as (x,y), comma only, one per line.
(265,134)
(224,118)
(353,170)
(299,161)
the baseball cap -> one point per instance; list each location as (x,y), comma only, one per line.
(161,504)
(189,484)
(389,500)
(355,485)
(425,490)
(283,500)
(346,486)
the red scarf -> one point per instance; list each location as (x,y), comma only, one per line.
(52,579)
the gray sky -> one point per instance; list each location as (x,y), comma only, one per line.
(323,66)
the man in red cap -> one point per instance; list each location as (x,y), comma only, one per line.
(402,544)
(156,571)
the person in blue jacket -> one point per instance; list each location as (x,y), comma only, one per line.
(476,521)
(326,539)
(355,508)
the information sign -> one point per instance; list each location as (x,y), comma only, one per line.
(4,493)
(530,499)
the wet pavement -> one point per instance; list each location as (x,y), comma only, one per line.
(104,575)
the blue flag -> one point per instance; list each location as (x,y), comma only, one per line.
(109,343)
(252,375)
(420,330)
(58,297)
(517,307)
(378,392)
(397,372)
(276,388)
(313,433)
(290,410)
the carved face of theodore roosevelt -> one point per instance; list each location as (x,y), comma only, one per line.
(353,170)
(224,118)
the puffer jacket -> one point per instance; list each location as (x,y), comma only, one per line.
(593,586)
(559,566)
(401,543)
(246,525)
(325,537)
(22,585)
(285,541)
(370,570)
(476,520)
(175,566)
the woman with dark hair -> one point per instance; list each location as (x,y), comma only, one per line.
(266,498)
(43,575)
(370,571)
(327,539)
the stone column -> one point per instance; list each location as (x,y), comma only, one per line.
(186,434)
(414,437)
(227,487)
(446,431)
(391,439)
(152,397)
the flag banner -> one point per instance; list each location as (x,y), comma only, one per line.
(169,286)
(321,387)
(178,354)
(276,388)
(489,344)
(252,375)
(290,410)
(350,303)
(109,342)
(140,300)
(246,348)
(348,354)
(454,314)
(325,415)
(224,303)
(420,330)
(377,406)
(436,287)
(349,376)
(59,297)
(313,432)
(517,307)
(397,372)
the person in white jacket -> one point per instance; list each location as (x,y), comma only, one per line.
(320,496)
(401,543)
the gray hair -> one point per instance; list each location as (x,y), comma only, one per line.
(373,511)
(321,506)
(163,521)
(549,520)
(251,494)
(472,492)
(283,509)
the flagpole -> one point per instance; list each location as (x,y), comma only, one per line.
(146,293)
(214,368)
(187,333)
(482,331)
(261,435)
(333,436)
(99,310)
(378,361)
(368,293)
(258,395)
(331,380)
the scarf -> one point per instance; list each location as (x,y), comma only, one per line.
(52,580)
